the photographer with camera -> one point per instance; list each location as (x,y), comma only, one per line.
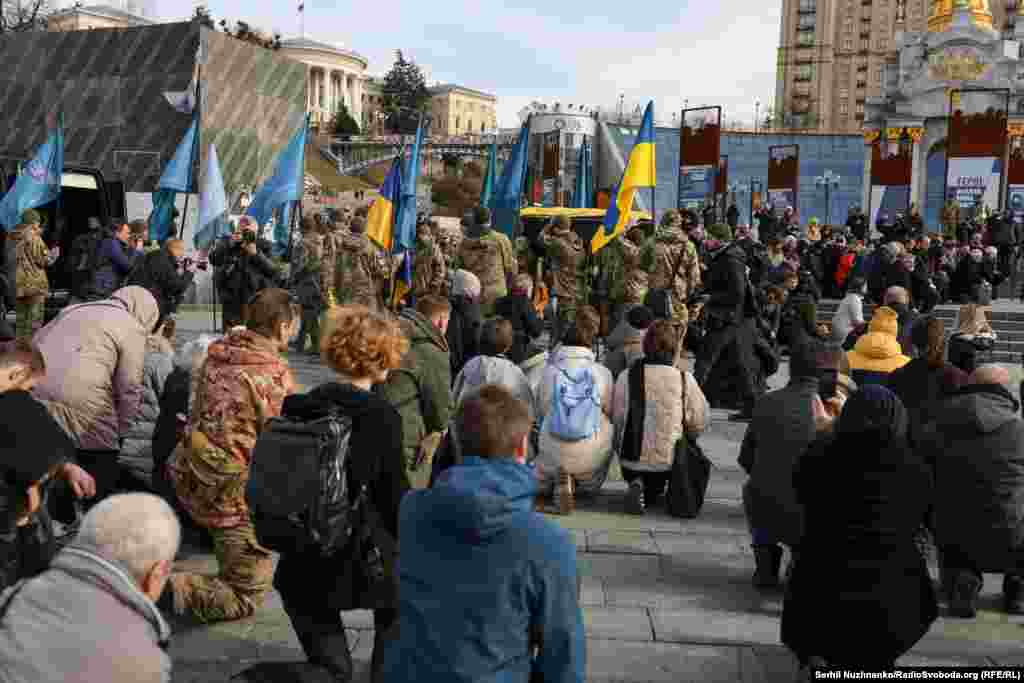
(243,268)
(167,273)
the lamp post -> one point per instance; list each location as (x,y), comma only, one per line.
(829,181)
(754,183)
(757,113)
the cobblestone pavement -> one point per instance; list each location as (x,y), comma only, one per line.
(663,599)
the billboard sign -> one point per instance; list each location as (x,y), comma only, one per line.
(783,176)
(699,155)
(973,179)
(696,184)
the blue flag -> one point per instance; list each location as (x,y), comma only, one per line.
(177,177)
(581,191)
(286,183)
(490,177)
(39,183)
(505,203)
(282,229)
(213,204)
(405,223)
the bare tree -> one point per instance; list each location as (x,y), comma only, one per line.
(24,15)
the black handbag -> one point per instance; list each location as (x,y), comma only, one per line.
(690,474)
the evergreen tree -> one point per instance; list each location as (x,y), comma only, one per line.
(405,96)
(343,124)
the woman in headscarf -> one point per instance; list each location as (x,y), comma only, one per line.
(466,320)
(973,336)
(859,563)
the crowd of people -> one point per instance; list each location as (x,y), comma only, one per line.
(466,405)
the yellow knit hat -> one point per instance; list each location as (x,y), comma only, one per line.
(884,320)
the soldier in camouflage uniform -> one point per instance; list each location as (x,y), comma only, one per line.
(671,260)
(621,282)
(429,270)
(567,264)
(307,283)
(360,269)
(488,254)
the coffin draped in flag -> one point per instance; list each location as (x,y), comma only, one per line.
(177,177)
(39,182)
(213,204)
(640,172)
(285,184)
(507,198)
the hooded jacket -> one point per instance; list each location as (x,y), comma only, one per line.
(878,352)
(727,285)
(420,390)
(478,570)
(137,453)
(241,385)
(492,370)
(83,620)
(976,446)
(95,354)
(30,262)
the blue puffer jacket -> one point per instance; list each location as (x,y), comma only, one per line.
(478,569)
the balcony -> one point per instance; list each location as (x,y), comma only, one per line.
(803,59)
(799,96)
(801,27)
(806,8)
(862,84)
(803,77)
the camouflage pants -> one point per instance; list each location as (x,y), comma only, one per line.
(29,315)
(564,317)
(246,576)
(311,328)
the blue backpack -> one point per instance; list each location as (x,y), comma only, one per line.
(575,405)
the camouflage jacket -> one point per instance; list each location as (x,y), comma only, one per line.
(359,271)
(241,385)
(567,262)
(490,257)
(30,261)
(328,258)
(621,278)
(429,270)
(670,251)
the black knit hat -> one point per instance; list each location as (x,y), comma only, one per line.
(31,442)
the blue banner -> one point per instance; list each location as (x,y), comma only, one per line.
(696,185)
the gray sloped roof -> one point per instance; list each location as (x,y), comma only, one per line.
(108,12)
(310,44)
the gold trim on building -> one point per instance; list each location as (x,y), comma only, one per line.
(941,17)
(871,136)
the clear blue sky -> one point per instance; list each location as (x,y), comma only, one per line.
(570,51)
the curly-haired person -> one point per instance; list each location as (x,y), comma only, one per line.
(362,347)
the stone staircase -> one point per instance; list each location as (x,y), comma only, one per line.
(1007,319)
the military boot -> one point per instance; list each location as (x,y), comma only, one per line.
(767,560)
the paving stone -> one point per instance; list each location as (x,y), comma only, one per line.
(713,626)
(767,665)
(617,661)
(611,516)
(202,671)
(618,567)
(617,623)
(591,592)
(625,542)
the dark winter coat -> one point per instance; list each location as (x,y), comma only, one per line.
(173,402)
(375,452)
(908,317)
(114,260)
(240,275)
(782,429)
(865,495)
(727,285)
(1001,233)
(463,333)
(976,445)
(158,272)
(732,215)
(923,390)
(858,225)
(517,309)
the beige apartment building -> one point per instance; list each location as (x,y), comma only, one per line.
(459,111)
(832,54)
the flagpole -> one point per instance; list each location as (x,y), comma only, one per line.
(60,174)
(195,144)
(296,209)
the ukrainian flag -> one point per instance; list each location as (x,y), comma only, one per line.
(403,283)
(640,172)
(380,220)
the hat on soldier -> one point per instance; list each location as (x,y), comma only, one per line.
(31,217)
(721,232)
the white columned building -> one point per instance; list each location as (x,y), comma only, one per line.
(335,77)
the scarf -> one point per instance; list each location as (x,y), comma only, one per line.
(633,435)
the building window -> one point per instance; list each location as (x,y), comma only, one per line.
(804,72)
(880,76)
(864,45)
(848,44)
(883,43)
(844,107)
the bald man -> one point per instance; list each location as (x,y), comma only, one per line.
(976,444)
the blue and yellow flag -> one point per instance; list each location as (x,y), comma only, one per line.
(380,221)
(403,283)
(640,172)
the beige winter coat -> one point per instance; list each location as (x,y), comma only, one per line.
(578,458)
(663,417)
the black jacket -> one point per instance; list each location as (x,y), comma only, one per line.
(858,225)
(158,272)
(923,390)
(1001,233)
(240,275)
(518,310)
(463,332)
(173,401)
(727,285)
(732,215)
(375,453)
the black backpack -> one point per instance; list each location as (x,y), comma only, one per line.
(299,481)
